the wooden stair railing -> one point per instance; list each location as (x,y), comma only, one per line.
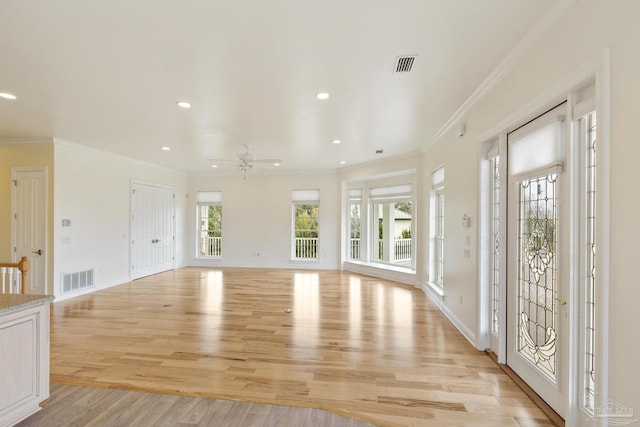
(22,266)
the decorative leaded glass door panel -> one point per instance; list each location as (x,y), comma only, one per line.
(536,260)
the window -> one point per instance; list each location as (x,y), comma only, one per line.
(306,204)
(209,224)
(588,255)
(392,225)
(355,204)
(495,243)
(436,278)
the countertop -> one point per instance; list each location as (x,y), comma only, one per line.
(10,302)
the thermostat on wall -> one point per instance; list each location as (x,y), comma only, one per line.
(66,223)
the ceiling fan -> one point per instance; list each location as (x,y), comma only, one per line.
(246,161)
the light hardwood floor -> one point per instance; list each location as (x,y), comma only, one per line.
(80,406)
(367,348)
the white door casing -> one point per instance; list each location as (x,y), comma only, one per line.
(29,223)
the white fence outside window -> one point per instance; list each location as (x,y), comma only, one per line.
(307,247)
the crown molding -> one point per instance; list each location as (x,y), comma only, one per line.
(62,142)
(550,19)
(32,140)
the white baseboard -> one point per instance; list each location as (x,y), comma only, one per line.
(439,302)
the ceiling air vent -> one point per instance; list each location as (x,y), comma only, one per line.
(404,63)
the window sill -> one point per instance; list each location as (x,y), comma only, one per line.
(437,288)
(382,266)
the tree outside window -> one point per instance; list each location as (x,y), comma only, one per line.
(306,231)
(210,230)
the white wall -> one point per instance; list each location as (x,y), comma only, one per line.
(92,189)
(550,68)
(257,218)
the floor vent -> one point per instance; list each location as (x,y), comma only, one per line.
(404,63)
(77,281)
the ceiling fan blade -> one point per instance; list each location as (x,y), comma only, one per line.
(267,161)
(222,161)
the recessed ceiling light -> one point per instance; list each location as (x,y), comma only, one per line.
(322,95)
(166,149)
(336,141)
(276,164)
(7,95)
(183,104)
(214,166)
(343,162)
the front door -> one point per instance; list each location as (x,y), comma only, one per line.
(537,258)
(29,211)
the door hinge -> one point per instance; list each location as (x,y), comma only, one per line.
(15,182)
(133,267)
(15,249)
(15,216)
(133,191)
(133,242)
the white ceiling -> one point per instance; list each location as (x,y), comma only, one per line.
(108,74)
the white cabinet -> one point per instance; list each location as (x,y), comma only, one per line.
(24,356)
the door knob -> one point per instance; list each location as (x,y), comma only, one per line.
(39,252)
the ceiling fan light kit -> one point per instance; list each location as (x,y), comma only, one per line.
(247,161)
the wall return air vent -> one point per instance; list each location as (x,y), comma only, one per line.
(404,63)
(72,282)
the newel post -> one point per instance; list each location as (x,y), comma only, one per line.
(23,266)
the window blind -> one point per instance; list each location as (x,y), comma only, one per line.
(437,177)
(209,196)
(301,196)
(537,147)
(390,192)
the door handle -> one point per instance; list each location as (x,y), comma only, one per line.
(561,302)
(39,252)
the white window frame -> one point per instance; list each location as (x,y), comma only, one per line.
(437,232)
(589,303)
(311,198)
(383,195)
(354,199)
(207,199)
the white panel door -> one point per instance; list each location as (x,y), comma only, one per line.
(152,230)
(164,230)
(30,224)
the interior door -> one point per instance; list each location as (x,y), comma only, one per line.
(30,224)
(538,258)
(152,230)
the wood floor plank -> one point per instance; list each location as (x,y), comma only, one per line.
(82,406)
(368,348)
